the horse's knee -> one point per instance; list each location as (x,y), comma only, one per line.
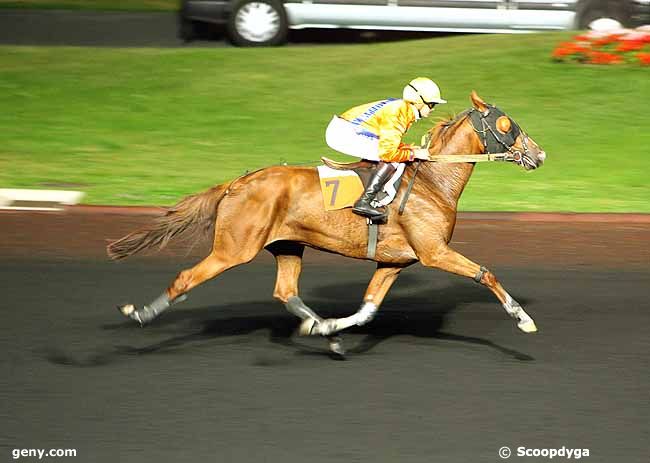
(286,286)
(282,295)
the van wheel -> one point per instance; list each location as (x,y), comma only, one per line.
(258,23)
(590,11)
(187,30)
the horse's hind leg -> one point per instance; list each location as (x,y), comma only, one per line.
(217,262)
(381,281)
(451,261)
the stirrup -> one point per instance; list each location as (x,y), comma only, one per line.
(379,219)
(373,217)
(375,220)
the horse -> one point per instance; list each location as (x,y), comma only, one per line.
(280,209)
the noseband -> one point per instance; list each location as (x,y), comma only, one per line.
(485,124)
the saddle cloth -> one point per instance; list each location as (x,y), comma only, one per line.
(342,188)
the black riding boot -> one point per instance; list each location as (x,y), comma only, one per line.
(384,172)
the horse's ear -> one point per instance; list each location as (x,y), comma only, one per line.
(478,102)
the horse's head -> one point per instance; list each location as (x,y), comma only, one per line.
(499,133)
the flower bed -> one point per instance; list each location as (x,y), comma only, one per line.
(607,47)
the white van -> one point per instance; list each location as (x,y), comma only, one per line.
(266,22)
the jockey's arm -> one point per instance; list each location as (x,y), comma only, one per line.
(394,126)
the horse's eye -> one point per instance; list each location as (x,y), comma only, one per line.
(503,124)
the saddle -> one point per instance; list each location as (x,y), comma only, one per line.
(358,166)
(364,170)
(347,189)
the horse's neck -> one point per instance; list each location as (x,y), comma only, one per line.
(445,182)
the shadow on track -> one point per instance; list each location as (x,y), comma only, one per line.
(423,316)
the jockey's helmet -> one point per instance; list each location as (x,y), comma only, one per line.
(422,90)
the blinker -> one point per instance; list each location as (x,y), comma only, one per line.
(503,124)
(496,129)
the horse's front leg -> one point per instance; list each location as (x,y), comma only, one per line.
(289,259)
(382,280)
(445,258)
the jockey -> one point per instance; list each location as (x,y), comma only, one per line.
(374,131)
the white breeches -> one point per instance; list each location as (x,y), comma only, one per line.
(352,139)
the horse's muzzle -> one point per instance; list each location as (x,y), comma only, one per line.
(531,161)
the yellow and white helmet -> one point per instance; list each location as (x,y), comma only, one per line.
(422,90)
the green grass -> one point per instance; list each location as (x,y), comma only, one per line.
(149,126)
(115,5)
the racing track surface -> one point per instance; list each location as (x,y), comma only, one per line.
(442,374)
(148,29)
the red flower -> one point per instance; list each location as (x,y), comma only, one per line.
(629,45)
(607,40)
(644,58)
(561,52)
(599,57)
(607,48)
(568,49)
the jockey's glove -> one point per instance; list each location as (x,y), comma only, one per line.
(420,153)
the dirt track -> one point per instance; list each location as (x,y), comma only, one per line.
(618,241)
(440,375)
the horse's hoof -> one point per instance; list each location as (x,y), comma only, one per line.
(525,323)
(336,347)
(527,326)
(308,327)
(129,311)
(126,310)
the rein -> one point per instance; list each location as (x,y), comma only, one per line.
(454,158)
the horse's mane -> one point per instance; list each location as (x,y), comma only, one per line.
(441,179)
(440,133)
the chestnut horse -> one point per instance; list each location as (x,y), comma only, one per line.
(280,209)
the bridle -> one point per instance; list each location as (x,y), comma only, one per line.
(484,124)
(488,129)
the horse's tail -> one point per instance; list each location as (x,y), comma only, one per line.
(193,216)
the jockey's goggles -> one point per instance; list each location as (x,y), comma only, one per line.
(430,104)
